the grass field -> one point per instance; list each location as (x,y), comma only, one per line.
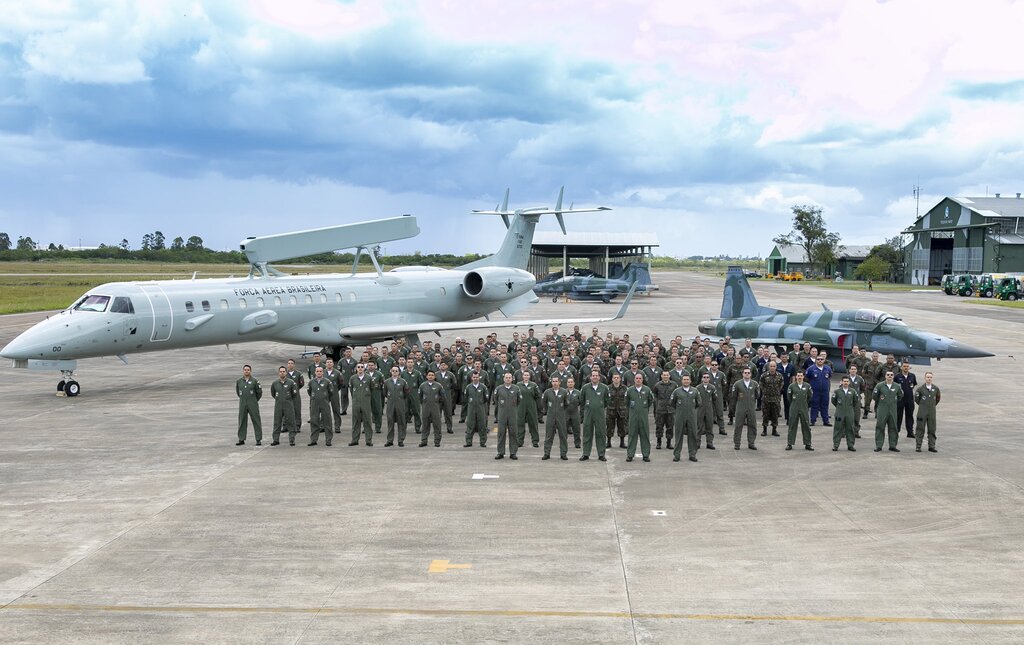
(42,286)
(856,285)
(995,302)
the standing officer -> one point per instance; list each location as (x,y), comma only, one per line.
(300,383)
(845,400)
(320,396)
(447,380)
(432,401)
(506,413)
(334,376)
(736,368)
(857,385)
(413,379)
(873,372)
(529,398)
(347,367)
(788,372)
(685,401)
(475,399)
(284,391)
(707,410)
(799,404)
(360,389)
(554,404)
(907,380)
(376,394)
(887,397)
(717,379)
(311,369)
(771,399)
(396,391)
(818,376)
(639,400)
(595,400)
(573,402)
(927,397)
(249,393)
(744,396)
(663,421)
(616,414)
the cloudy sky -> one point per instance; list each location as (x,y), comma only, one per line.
(701,121)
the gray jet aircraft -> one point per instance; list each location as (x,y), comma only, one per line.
(583,284)
(330,311)
(871,329)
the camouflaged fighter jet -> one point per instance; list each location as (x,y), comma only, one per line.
(583,284)
(332,311)
(871,329)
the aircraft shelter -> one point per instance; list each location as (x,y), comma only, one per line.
(606,253)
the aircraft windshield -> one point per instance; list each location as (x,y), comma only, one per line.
(875,317)
(122,305)
(93,303)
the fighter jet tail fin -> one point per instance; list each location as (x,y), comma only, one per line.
(515,248)
(738,299)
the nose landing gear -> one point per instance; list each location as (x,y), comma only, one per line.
(68,386)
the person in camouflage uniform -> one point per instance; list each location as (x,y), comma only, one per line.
(771,399)
(873,372)
(615,413)
(663,416)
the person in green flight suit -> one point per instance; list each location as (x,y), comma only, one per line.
(685,401)
(887,396)
(447,380)
(529,394)
(595,399)
(506,413)
(376,395)
(744,397)
(413,379)
(475,401)
(707,411)
(857,385)
(554,403)
(663,417)
(249,393)
(432,398)
(396,392)
(926,396)
(616,413)
(572,412)
(360,389)
(639,400)
(283,391)
(799,394)
(845,399)
(300,383)
(320,394)
(334,376)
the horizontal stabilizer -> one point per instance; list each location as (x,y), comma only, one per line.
(285,246)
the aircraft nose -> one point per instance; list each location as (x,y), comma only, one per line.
(960,350)
(19,348)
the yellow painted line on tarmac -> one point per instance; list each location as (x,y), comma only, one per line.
(516,613)
(443,566)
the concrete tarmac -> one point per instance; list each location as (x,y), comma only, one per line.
(128,514)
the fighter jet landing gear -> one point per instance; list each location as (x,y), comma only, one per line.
(68,386)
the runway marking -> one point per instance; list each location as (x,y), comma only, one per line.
(442,566)
(513,613)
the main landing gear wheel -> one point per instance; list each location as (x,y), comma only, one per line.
(60,386)
(72,388)
(555,299)
(606,299)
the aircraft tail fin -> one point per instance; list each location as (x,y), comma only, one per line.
(738,299)
(515,248)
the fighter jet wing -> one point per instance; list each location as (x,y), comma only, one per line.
(363,332)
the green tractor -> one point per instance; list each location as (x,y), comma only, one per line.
(948,284)
(966,285)
(1009,289)
(986,285)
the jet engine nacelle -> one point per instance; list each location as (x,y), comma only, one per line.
(492,284)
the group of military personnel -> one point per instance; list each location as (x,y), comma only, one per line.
(594,388)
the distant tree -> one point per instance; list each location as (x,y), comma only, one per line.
(5,242)
(147,241)
(158,241)
(194,243)
(52,247)
(177,244)
(60,247)
(26,244)
(812,235)
(890,252)
(124,244)
(873,268)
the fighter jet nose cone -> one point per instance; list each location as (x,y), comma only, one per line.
(959,350)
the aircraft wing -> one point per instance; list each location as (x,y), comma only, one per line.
(366,332)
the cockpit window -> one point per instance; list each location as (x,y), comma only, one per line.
(93,303)
(122,305)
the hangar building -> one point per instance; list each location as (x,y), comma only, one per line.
(607,253)
(786,258)
(966,235)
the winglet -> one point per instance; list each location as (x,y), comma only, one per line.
(504,207)
(625,303)
(558,209)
